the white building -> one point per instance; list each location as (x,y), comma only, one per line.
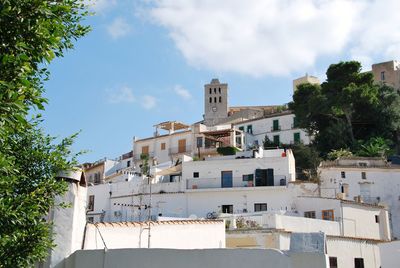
(193,234)
(370,180)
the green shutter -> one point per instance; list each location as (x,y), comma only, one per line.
(276,125)
(276,140)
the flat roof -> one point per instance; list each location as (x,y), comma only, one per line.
(153,223)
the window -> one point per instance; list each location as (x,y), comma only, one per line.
(97,178)
(328,215)
(343,174)
(210,92)
(241,128)
(248,177)
(358,263)
(309,214)
(275,125)
(345,188)
(377,218)
(163,146)
(145,150)
(182,146)
(250,129)
(220,99)
(296,137)
(332,262)
(227,209)
(90,219)
(382,76)
(215,90)
(91,203)
(199,142)
(210,99)
(363,175)
(215,99)
(195,174)
(260,207)
(219,90)
(276,140)
(128,163)
(282,182)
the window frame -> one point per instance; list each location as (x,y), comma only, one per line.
(258,207)
(331,214)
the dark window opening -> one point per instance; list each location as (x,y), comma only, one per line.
(260,207)
(210,90)
(220,99)
(215,99)
(358,263)
(332,262)
(195,174)
(343,174)
(377,218)
(91,203)
(128,164)
(215,90)
(363,175)
(210,99)
(309,214)
(227,209)
(219,90)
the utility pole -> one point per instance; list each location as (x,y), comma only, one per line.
(149,208)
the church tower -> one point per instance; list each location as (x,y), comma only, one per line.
(215,102)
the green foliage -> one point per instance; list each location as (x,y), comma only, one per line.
(268,144)
(145,168)
(307,160)
(227,150)
(336,154)
(374,147)
(346,108)
(32,33)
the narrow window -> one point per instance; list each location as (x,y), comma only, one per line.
(128,164)
(210,99)
(215,99)
(275,125)
(220,99)
(145,150)
(195,174)
(250,129)
(309,214)
(199,142)
(215,91)
(260,207)
(343,174)
(163,146)
(382,76)
(377,218)
(91,203)
(296,137)
(276,140)
(210,91)
(363,175)
(219,90)
(227,209)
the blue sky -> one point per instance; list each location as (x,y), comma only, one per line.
(147,61)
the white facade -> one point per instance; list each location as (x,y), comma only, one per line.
(284,131)
(370,180)
(178,234)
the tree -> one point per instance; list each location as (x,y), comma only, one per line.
(347,108)
(32,33)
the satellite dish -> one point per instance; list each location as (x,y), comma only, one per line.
(193,217)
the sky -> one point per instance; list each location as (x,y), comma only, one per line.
(146,61)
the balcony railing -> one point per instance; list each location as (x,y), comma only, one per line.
(276,128)
(216,183)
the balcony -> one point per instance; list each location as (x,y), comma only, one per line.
(276,128)
(237,182)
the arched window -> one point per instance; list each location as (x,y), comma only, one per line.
(210,90)
(219,90)
(210,99)
(215,90)
(220,99)
(215,99)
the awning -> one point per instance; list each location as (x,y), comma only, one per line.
(170,171)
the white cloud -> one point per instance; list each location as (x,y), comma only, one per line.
(121,95)
(182,92)
(259,37)
(118,28)
(100,5)
(148,102)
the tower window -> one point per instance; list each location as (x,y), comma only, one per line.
(210,90)
(215,90)
(215,99)
(382,76)
(210,99)
(220,99)
(219,90)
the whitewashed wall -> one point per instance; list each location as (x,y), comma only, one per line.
(166,234)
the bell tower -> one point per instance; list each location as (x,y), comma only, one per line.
(215,102)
